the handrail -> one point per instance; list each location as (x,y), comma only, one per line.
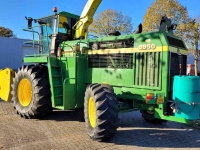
(31,30)
(34,42)
(29,42)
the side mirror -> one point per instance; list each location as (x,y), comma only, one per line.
(29,21)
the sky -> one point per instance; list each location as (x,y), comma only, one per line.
(13,12)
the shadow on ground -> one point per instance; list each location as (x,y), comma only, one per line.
(68,115)
(157,138)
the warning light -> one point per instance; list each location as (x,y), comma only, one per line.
(149,96)
(55,9)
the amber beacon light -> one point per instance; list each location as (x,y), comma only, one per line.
(55,9)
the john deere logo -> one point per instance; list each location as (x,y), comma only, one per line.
(148,40)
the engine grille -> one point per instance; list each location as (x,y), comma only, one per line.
(117,60)
(184,64)
(147,68)
(174,68)
(175,42)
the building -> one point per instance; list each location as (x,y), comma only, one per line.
(12,51)
(190,62)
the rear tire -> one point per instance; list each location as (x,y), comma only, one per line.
(149,117)
(100,111)
(31,91)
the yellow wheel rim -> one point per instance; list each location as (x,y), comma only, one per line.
(92,112)
(24,92)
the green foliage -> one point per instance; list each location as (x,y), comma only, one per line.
(110,20)
(5,32)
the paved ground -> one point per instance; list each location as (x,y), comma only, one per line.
(66,130)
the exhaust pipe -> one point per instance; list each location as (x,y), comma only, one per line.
(138,29)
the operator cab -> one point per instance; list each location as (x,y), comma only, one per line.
(53,30)
(56,29)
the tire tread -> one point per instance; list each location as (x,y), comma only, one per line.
(41,101)
(106,111)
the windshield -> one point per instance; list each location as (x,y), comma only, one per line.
(60,24)
(46,31)
(63,24)
(66,25)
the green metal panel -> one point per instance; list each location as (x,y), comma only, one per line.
(138,38)
(68,45)
(163,39)
(69,92)
(62,75)
(117,77)
(70,69)
(35,59)
(74,83)
(56,80)
(80,78)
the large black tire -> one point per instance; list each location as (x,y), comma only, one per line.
(31,91)
(105,111)
(149,117)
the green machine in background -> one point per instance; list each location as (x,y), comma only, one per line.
(106,75)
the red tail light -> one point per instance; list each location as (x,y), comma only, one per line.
(149,96)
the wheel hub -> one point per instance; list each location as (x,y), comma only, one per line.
(92,112)
(24,92)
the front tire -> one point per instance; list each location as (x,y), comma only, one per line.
(100,111)
(31,91)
